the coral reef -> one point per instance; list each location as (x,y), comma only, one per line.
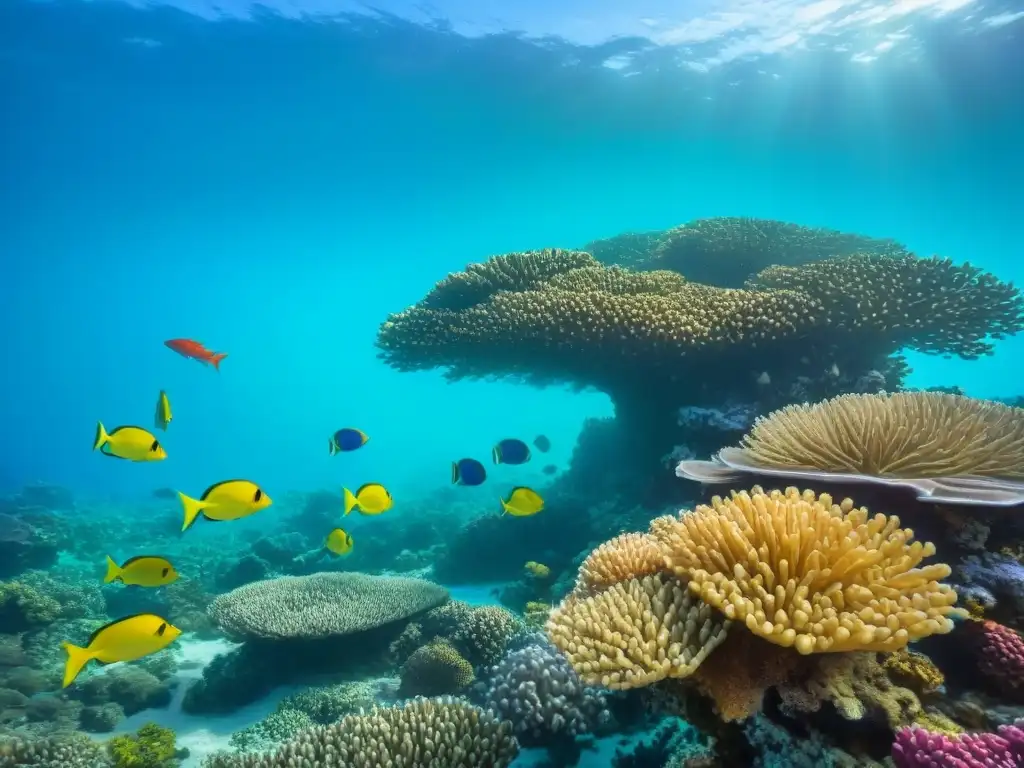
(435,669)
(153,746)
(418,734)
(59,751)
(918,748)
(1001,657)
(536,689)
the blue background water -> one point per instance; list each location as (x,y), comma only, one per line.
(274,187)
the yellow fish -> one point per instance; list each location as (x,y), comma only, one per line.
(132,443)
(522,502)
(372,499)
(538,570)
(126,639)
(141,571)
(163,411)
(339,542)
(227,500)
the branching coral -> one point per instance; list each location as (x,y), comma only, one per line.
(22,607)
(907,434)
(803,572)
(63,751)
(726,250)
(422,733)
(627,556)
(636,632)
(322,605)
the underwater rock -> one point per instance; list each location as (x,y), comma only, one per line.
(130,686)
(101,719)
(1000,575)
(244,570)
(22,547)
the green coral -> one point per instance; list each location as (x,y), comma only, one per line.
(152,746)
(23,607)
(435,669)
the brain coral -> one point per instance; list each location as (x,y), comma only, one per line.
(800,571)
(322,605)
(433,669)
(636,632)
(422,733)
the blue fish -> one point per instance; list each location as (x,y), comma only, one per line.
(542,443)
(511,451)
(468,472)
(347,439)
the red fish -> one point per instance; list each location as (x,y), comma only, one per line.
(196,351)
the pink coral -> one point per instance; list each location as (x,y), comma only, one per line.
(1002,656)
(917,748)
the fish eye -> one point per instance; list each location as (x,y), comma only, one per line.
(155,445)
(258,495)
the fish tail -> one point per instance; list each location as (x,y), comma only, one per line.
(455,473)
(217,357)
(113,570)
(350,500)
(496,455)
(101,436)
(77,658)
(504,507)
(192,509)
(332,447)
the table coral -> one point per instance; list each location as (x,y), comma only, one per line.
(803,572)
(919,748)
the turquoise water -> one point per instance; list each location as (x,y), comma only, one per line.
(274,181)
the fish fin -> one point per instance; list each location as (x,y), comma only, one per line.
(113,570)
(215,360)
(192,509)
(504,506)
(332,446)
(350,500)
(455,473)
(77,658)
(496,455)
(101,436)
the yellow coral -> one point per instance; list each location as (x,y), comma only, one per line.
(801,571)
(636,632)
(628,556)
(536,613)
(913,670)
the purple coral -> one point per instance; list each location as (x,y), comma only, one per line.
(536,689)
(917,748)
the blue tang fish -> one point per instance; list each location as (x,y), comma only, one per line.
(347,439)
(511,451)
(468,472)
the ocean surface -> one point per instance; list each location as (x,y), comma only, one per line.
(275,180)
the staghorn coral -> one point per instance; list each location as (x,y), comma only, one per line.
(308,606)
(803,572)
(636,632)
(930,305)
(435,669)
(422,733)
(536,689)
(510,272)
(74,750)
(726,250)
(919,748)
(906,434)
(484,634)
(627,556)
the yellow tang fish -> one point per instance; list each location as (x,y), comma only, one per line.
(227,500)
(522,502)
(339,542)
(537,570)
(372,499)
(132,443)
(163,411)
(126,639)
(141,571)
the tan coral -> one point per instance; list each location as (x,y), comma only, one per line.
(636,632)
(907,434)
(803,572)
(627,556)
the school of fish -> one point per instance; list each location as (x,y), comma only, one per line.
(132,637)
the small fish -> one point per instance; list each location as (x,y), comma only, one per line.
(371,499)
(141,571)
(468,472)
(163,411)
(126,639)
(131,443)
(550,469)
(227,500)
(511,451)
(542,443)
(764,379)
(347,439)
(537,570)
(522,502)
(165,493)
(339,542)
(196,351)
